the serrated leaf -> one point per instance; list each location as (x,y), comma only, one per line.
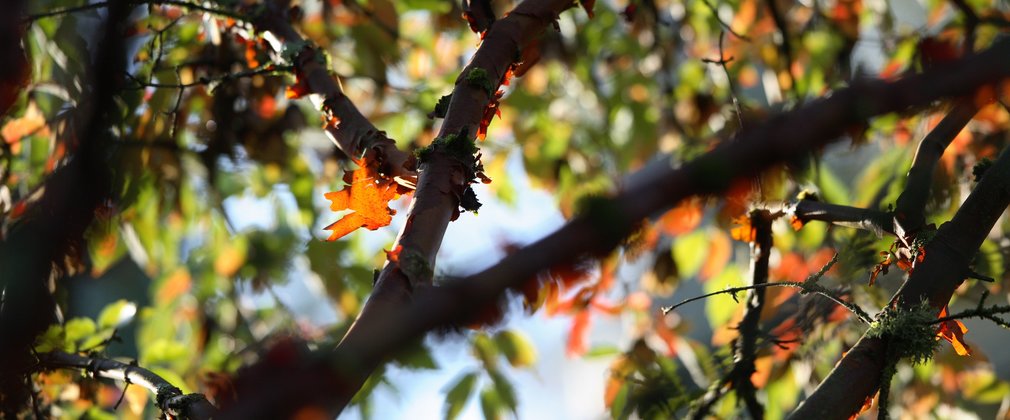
(457,396)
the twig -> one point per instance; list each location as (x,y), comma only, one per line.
(715,13)
(785,46)
(168,397)
(808,286)
(103,4)
(722,62)
(269,69)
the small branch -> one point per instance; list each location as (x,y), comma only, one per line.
(910,207)
(169,398)
(208,81)
(104,4)
(722,62)
(875,221)
(739,377)
(786,46)
(858,375)
(980,311)
(808,286)
(971,21)
(715,13)
(353,134)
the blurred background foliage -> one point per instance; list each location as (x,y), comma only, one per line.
(224,176)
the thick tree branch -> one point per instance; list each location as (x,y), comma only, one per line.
(168,397)
(857,375)
(658,187)
(911,204)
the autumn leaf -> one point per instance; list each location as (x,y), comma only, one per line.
(578,336)
(367,195)
(744,232)
(953,331)
(681,219)
(588,5)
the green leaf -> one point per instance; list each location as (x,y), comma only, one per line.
(618,409)
(689,252)
(52,339)
(506,393)
(416,357)
(485,350)
(457,396)
(490,404)
(516,347)
(116,314)
(602,350)
(78,329)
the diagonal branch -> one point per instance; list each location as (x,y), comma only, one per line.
(657,187)
(168,397)
(351,132)
(857,376)
(911,205)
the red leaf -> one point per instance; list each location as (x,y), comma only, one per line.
(953,331)
(394,255)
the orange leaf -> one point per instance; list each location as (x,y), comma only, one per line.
(681,219)
(588,5)
(297,90)
(718,255)
(796,223)
(953,331)
(577,337)
(745,232)
(367,195)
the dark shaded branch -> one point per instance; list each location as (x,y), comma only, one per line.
(857,376)
(875,221)
(105,4)
(910,207)
(739,377)
(168,397)
(50,233)
(656,188)
(786,46)
(971,21)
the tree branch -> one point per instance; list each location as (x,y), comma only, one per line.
(739,377)
(911,204)
(657,187)
(353,134)
(168,397)
(857,375)
(875,221)
(104,4)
